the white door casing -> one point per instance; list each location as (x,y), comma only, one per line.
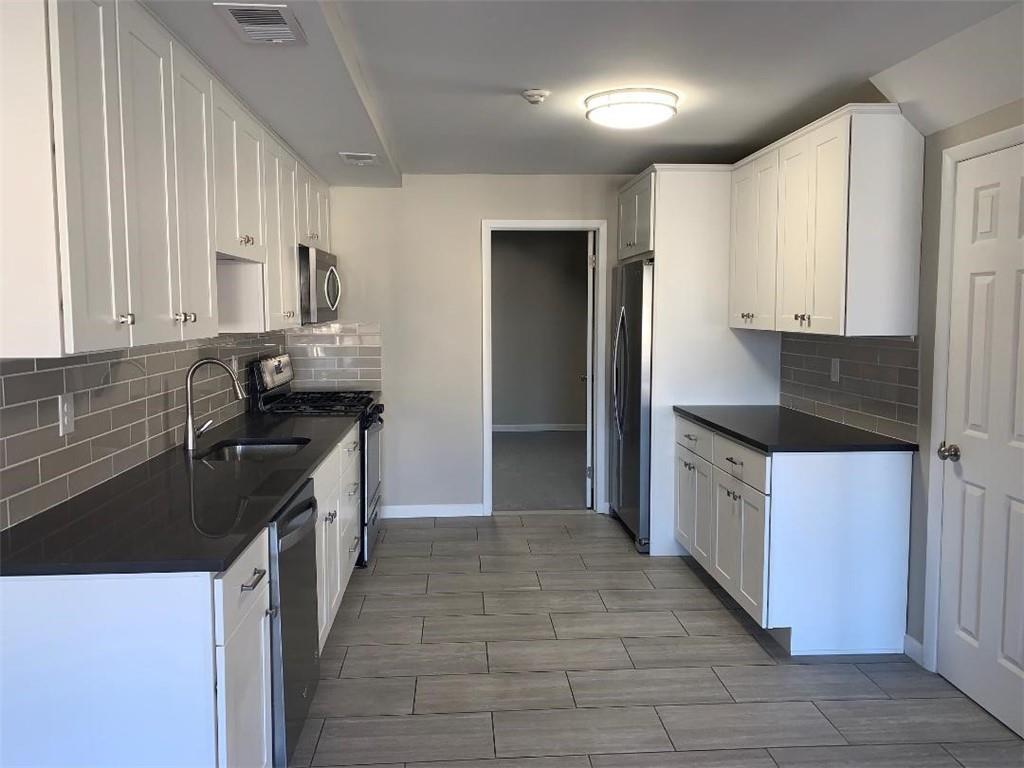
(981,592)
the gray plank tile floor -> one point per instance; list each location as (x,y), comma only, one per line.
(541,640)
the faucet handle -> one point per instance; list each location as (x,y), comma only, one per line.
(200,430)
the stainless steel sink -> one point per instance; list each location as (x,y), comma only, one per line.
(254,449)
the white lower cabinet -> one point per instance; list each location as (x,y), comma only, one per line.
(336,485)
(822,556)
(243,690)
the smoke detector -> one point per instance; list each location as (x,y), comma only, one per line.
(262,23)
(535,95)
(358,158)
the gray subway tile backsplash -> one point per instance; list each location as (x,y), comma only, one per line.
(129,404)
(878,381)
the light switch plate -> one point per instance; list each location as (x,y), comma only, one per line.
(66,413)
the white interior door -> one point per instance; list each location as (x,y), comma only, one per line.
(588,498)
(981,601)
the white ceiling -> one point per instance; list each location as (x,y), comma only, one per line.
(432,85)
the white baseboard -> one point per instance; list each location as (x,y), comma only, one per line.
(539,428)
(913,649)
(433,510)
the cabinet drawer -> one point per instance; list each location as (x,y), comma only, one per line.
(695,437)
(350,500)
(743,463)
(349,448)
(237,588)
(327,474)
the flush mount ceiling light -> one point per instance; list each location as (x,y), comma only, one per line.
(631,107)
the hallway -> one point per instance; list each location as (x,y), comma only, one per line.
(539,470)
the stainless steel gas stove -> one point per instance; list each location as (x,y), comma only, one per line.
(270,391)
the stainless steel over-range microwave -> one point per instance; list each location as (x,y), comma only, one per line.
(319,285)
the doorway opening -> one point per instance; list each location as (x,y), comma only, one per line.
(541,289)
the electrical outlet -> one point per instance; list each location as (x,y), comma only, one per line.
(834,371)
(66,413)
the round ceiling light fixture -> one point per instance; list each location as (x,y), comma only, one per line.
(628,108)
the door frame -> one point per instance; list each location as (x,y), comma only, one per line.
(951,158)
(596,336)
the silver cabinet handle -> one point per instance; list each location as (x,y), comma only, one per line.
(354,489)
(242,239)
(733,461)
(180,317)
(796,317)
(190,317)
(257,577)
(949,452)
(351,448)
(691,438)
(272,612)
(128,318)
(355,544)
(330,517)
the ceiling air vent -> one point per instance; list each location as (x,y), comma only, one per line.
(263,22)
(359,158)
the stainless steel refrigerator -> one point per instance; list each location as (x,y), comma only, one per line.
(630,417)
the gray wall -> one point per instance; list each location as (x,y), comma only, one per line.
(129,407)
(414,259)
(1000,119)
(539,327)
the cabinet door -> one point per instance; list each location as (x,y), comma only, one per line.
(794,226)
(334,559)
(193,174)
(87,139)
(725,559)
(321,575)
(627,222)
(829,148)
(703,511)
(144,55)
(225,197)
(752,580)
(766,237)
(743,248)
(249,180)
(244,731)
(324,209)
(328,560)
(686,498)
(281,264)
(306,212)
(643,241)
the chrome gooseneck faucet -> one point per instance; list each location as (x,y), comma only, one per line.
(192,433)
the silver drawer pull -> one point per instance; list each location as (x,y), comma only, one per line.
(330,517)
(128,318)
(352,448)
(257,577)
(354,489)
(691,438)
(355,544)
(736,462)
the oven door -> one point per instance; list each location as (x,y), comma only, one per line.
(373,427)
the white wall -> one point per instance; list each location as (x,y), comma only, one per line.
(698,359)
(411,258)
(539,328)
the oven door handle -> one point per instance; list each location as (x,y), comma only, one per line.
(304,528)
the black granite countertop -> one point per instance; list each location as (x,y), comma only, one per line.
(173,513)
(774,429)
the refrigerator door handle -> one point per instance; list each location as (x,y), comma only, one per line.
(624,393)
(616,403)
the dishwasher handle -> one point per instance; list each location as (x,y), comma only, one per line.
(302,522)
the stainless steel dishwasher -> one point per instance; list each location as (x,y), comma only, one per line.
(294,638)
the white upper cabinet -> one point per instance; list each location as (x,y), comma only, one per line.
(324,208)
(847,231)
(636,217)
(313,211)
(282,268)
(755,195)
(90,192)
(238,176)
(192,89)
(144,53)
